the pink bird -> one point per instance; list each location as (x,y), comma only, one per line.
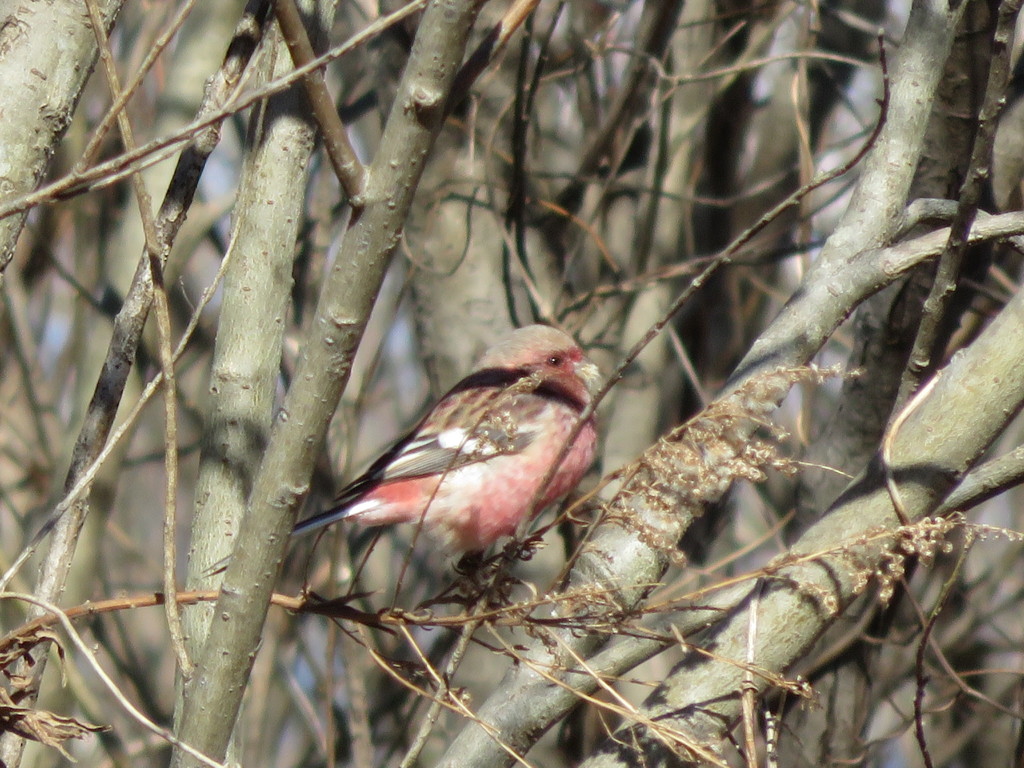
(473,468)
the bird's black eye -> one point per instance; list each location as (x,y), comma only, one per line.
(555,360)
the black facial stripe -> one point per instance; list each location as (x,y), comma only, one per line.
(500,378)
(488,378)
(556,390)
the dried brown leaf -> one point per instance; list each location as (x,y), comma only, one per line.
(17,646)
(45,727)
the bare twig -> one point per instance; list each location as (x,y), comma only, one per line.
(122,97)
(749,691)
(346,164)
(887,448)
(489,48)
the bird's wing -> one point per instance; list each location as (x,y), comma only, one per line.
(441,443)
(467,426)
(452,448)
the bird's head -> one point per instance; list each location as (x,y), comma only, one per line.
(548,354)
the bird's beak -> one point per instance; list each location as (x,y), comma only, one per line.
(591,376)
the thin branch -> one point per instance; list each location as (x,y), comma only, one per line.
(490,47)
(122,97)
(347,167)
(986,481)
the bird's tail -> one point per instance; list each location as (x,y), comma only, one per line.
(323,519)
(309,525)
